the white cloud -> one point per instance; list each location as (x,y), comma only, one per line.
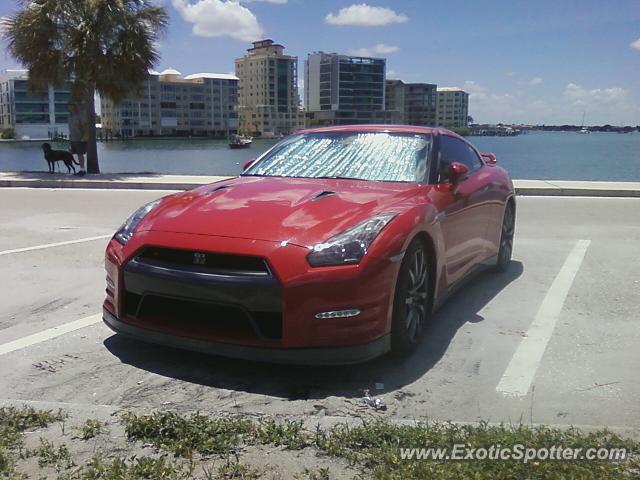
(635,45)
(379,49)
(364,15)
(535,81)
(579,96)
(489,107)
(564,106)
(220,18)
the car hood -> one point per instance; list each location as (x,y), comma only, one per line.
(296,210)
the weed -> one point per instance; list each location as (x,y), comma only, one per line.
(185,435)
(234,470)
(26,418)
(14,421)
(133,468)
(49,455)
(288,434)
(376,447)
(320,474)
(90,429)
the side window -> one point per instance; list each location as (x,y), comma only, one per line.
(473,158)
(454,150)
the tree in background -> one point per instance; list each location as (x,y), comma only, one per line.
(106,46)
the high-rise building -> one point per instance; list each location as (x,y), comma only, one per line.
(32,114)
(345,90)
(201,104)
(453,107)
(269,104)
(394,100)
(414,103)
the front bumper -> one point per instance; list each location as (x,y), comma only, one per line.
(299,356)
(269,317)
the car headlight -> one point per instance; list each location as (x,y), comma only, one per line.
(349,246)
(125,232)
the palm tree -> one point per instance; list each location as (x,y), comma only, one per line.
(106,46)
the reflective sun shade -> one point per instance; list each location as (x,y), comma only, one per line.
(381,156)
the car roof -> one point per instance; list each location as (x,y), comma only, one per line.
(381,128)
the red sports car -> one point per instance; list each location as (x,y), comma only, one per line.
(334,247)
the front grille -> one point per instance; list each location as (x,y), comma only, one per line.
(205,262)
(195,317)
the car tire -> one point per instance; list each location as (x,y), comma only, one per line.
(507,232)
(411,302)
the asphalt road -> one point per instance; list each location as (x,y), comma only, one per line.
(554,340)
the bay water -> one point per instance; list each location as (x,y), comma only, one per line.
(534,155)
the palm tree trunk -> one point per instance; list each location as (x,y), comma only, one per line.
(92,148)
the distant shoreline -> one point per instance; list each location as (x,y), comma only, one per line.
(522,128)
(576,128)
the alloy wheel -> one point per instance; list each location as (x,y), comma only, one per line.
(416,297)
(506,238)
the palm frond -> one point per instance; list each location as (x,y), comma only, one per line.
(104,45)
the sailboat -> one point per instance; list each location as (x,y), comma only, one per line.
(583,129)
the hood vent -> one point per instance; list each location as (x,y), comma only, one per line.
(326,193)
(218,188)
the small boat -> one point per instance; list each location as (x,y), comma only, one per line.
(240,141)
(583,129)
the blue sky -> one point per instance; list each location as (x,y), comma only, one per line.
(524,61)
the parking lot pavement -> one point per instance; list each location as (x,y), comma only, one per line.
(562,322)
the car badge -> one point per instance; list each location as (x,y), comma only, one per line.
(199,258)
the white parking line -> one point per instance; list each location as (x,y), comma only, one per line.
(48,334)
(521,371)
(49,245)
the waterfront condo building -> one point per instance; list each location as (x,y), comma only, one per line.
(345,90)
(453,107)
(269,104)
(201,104)
(414,103)
(32,114)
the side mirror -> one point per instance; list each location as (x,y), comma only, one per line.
(457,172)
(247,164)
(489,158)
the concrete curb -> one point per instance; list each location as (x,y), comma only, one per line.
(571,188)
(107,181)
(99,184)
(563,188)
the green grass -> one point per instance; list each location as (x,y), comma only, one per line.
(375,446)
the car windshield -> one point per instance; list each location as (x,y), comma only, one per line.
(379,156)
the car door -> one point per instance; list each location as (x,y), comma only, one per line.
(464,215)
